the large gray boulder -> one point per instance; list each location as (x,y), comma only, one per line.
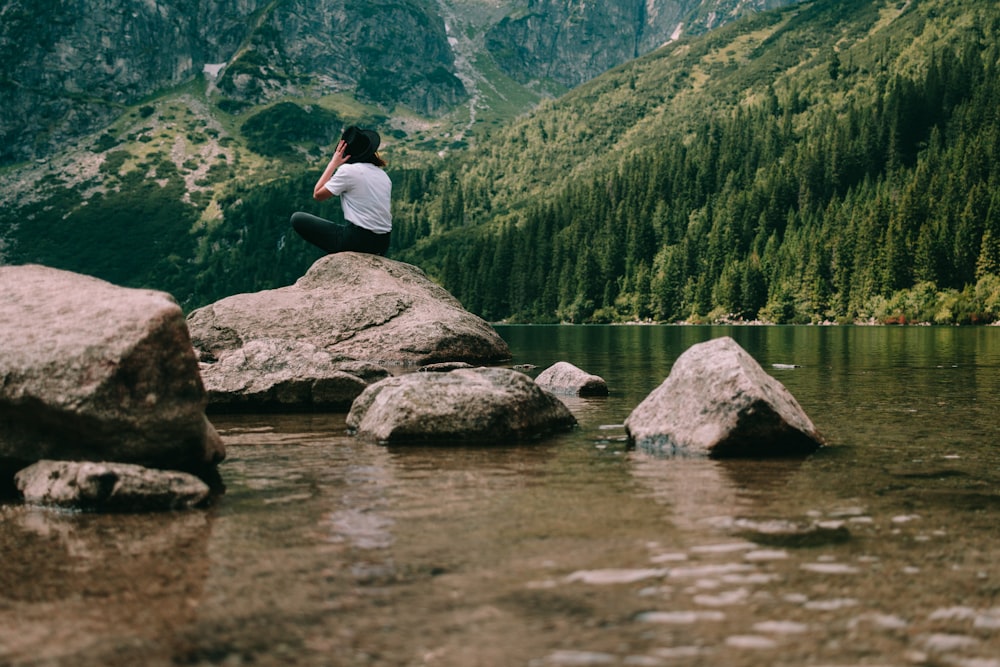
(718,402)
(565,379)
(351,307)
(91,371)
(109,487)
(480,404)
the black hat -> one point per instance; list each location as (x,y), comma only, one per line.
(361,144)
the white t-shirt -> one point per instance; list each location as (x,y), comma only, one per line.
(365,194)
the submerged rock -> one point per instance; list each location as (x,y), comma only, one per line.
(566,379)
(109,487)
(718,401)
(790,533)
(495,404)
(92,371)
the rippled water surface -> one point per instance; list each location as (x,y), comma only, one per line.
(328,550)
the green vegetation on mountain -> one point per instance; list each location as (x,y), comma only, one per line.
(828,161)
(139,236)
(834,160)
(278,130)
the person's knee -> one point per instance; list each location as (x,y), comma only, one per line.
(298,220)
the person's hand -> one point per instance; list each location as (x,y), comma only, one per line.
(340,155)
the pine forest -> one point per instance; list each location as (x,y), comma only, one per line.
(859,183)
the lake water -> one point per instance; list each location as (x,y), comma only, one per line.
(327,550)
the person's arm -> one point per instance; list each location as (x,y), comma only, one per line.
(320,193)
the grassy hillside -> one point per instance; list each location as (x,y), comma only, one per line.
(828,161)
(165,196)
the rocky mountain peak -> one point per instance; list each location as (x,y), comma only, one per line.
(70,67)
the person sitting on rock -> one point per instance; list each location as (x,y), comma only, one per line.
(355,172)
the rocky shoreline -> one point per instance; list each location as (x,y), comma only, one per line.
(97,377)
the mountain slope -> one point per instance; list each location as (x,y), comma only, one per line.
(571,42)
(71,68)
(833,160)
(829,160)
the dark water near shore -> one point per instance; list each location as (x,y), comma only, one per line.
(327,550)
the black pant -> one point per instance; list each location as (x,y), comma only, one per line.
(334,237)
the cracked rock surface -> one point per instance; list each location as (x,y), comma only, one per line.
(348,309)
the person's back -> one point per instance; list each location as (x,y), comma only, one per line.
(365,192)
(355,174)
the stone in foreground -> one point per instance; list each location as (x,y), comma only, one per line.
(480,404)
(92,371)
(108,487)
(565,379)
(718,402)
(354,306)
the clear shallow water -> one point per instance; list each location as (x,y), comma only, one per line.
(327,550)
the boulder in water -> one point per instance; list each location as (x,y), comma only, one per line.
(91,371)
(109,487)
(313,345)
(563,378)
(354,306)
(479,404)
(717,401)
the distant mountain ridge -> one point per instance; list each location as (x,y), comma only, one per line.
(572,41)
(71,67)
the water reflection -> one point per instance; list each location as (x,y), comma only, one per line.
(74,583)
(360,518)
(700,492)
(694,489)
(327,550)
